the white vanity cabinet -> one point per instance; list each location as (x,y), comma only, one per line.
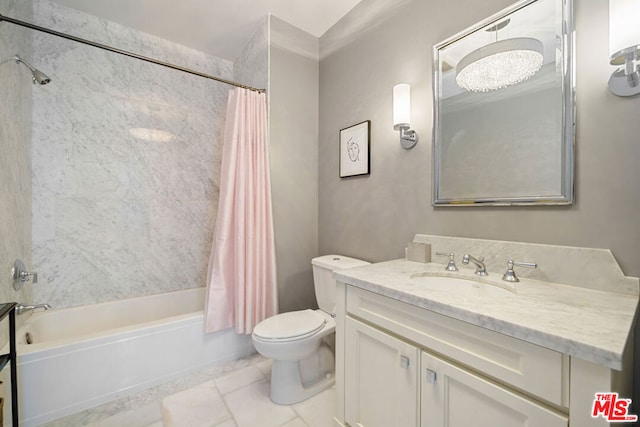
(455,397)
(381,378)
(416,348)
(402,365)
(390,382)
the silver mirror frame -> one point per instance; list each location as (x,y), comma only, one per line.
(568,112)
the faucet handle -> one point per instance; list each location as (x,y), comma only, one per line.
(451,265)
(510,275)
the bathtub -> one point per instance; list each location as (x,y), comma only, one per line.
(85,356)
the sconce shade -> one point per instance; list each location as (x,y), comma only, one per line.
(402,115)
(624,47)
(500,64)
(401,105)
(624,29)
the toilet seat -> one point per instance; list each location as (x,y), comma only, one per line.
(291,326)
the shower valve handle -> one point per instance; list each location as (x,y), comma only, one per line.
(19,275)
(24,276)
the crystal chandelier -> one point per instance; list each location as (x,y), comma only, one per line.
(500,64)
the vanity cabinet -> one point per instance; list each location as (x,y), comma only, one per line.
(401,365)
(552,350)
(455,397)
(381,378)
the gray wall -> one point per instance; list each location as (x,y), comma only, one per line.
(293,119)
(374,217)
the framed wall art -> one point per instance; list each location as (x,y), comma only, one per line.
(354,150)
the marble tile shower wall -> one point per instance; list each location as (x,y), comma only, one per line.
(116,215)
(15,143)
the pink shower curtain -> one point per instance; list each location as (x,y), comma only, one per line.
(241,281)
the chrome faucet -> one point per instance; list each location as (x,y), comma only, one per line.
(481,270)
(21,308)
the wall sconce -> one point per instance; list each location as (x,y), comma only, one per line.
(402,115)
(624,48)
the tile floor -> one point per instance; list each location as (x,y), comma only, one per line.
(232,396)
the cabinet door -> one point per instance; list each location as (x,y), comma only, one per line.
(454,397)
(381,378)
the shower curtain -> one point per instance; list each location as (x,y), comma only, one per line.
(241,280)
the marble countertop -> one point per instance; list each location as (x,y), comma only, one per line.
(589,324)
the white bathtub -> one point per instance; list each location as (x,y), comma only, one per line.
(85,356)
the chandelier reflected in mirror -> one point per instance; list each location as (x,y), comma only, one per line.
(500,64)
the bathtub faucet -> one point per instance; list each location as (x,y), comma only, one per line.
(21,308)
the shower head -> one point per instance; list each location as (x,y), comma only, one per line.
(38,76)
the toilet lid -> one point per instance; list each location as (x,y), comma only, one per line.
(290,326)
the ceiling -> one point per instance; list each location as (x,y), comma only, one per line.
(218,27)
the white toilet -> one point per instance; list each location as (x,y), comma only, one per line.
(303,362)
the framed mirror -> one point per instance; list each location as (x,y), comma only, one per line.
(504,109)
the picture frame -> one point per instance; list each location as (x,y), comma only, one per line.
(355,144)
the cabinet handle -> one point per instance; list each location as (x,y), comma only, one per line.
(432,377)
(404,362)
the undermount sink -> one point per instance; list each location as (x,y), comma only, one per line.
(462,286)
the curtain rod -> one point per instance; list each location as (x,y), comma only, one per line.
(125,53)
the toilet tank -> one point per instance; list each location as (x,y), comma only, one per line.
(324,284)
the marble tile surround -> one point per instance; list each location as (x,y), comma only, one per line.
(115,216)
(15,146)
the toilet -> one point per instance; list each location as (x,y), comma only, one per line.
(300,342)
